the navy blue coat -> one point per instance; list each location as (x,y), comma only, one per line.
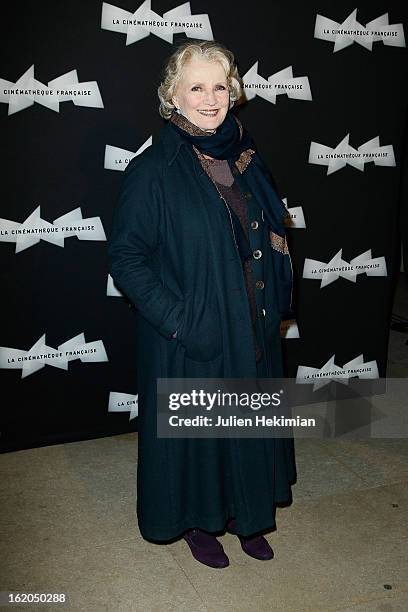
(172,252)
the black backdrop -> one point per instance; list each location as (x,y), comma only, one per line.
(55,160)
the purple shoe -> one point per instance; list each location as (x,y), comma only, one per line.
(206,548)
(254,546)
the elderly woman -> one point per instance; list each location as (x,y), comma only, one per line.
(198,246)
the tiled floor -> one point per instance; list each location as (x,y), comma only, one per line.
(69,526)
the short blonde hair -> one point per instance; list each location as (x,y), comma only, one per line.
(173,71)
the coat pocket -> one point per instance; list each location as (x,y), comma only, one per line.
(201,332)
(204,369)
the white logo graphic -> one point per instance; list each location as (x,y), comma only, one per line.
(111,288)
(289,329)
(350,31)
(27,90)
(343,154)
(329,272)
(123,402)
(34,229)
(282,82)
(319,377)
(118,159)
(40,354)
(297,218)
(144,21)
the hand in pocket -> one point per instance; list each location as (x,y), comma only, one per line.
(201,333)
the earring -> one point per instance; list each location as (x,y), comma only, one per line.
(177,110)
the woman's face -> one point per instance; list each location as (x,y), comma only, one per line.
(203,87)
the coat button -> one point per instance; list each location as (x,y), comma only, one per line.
(259,284)
(257,254)
(264,312)
(254,225)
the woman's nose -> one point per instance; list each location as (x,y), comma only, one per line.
(210,97)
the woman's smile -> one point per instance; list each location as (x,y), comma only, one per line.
(208,113)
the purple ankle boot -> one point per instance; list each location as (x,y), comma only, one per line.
(254,546)
(206,548)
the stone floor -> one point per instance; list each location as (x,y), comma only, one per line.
(68,526)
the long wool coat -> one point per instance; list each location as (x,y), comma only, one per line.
(172,252)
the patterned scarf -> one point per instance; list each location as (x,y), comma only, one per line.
(229,141)
(232,142)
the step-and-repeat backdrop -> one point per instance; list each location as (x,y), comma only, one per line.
(326,102)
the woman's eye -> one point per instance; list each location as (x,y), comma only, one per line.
(198,87)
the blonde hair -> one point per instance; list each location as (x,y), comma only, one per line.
(173,71)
